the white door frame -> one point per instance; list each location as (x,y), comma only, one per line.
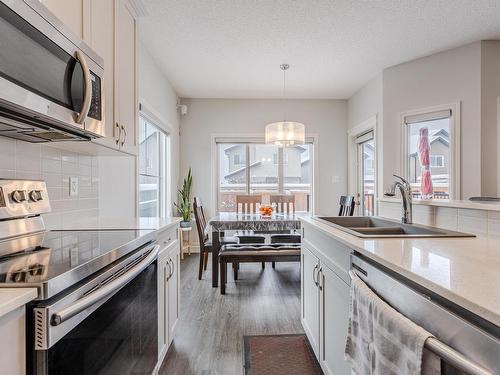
(353,170)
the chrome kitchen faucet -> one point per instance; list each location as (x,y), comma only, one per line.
(405,189)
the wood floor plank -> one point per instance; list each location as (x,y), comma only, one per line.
(209,335)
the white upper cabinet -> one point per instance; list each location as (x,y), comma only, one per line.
(110,28)
(100,36)
(126,101)
(70,12)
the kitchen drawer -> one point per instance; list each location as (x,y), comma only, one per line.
(167,237)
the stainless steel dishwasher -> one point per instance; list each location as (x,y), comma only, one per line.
(464,343)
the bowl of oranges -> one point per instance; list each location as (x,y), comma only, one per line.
(265,210)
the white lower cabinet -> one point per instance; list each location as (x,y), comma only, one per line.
(168,296)
(13,345)
(334,313)
(325,306)
(310,297)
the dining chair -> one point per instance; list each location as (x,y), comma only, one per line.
(205,244)
(249,203)
(285,204)
(347,204)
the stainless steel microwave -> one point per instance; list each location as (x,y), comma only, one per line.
(51,82)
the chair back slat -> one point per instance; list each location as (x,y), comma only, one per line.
(347,204)
(285,204)
(201,222)
(249,203)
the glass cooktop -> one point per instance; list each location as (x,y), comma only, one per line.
(54,260)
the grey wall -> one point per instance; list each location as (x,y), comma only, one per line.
(326,118)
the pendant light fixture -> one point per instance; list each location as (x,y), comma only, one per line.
(285,133)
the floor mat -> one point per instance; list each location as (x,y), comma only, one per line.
(279,354)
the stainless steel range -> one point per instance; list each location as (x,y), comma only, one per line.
(96,311)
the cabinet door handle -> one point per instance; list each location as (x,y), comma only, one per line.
(117,140)
(320,283)
(167,276)
(124,135)
(173,267)
(314,274)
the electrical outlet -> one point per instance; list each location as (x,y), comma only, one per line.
(73,186)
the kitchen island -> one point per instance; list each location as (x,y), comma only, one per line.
(460,273)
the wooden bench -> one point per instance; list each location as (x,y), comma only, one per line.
(254,254)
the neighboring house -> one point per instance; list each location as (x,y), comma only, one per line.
(263,164)
(440,145)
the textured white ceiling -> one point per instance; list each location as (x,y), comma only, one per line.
(233,48)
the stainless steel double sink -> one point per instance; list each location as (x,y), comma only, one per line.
(375,227)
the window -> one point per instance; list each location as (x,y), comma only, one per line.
(366,172)
(435,132)
(437,161)
(264,170)
(237,159)
(153,164)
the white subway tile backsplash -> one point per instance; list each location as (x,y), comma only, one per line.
(7,153)
(482,214)
(70,169)
(28,156)
(40,161)
(51,153)
(52,179)
(7,173)
(470,224)
(51,165)
(28,175)
(69,157)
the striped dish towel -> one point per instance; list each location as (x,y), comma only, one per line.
(381,341)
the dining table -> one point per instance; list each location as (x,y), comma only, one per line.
(231,221)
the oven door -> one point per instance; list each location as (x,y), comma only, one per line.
(109,325)
(46,71)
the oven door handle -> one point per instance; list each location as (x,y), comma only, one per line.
(103,292)
(87,91)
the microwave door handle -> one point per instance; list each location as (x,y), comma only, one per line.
(103,292)
(87,91)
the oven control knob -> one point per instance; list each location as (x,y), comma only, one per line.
(35,195)
(18,196)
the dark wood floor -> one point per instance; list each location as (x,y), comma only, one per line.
(210,332)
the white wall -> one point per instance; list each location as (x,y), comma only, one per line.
(490,102)
(118,173)
(366,102)
(443,78)
(325,118)
(158,96)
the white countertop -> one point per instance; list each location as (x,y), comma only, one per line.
(465,271)
(12,298)
(154,223)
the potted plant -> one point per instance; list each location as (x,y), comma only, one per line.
(184,204)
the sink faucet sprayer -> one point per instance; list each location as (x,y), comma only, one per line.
(405,189)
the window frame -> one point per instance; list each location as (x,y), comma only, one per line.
(259,139)
(164,164)
(455,141)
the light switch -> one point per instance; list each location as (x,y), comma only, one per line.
(73,186)
(335,179)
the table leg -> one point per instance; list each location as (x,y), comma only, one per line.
(215,258)
(181,235)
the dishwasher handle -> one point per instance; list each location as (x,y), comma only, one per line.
(443,351)
(103,292)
